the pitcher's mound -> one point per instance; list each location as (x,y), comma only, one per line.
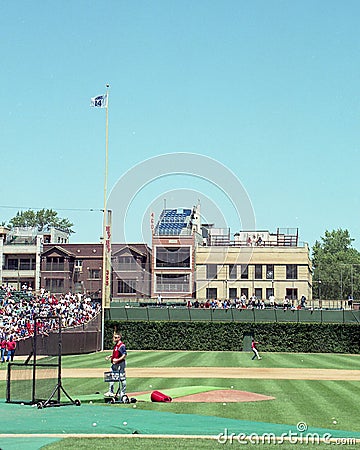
(224,396)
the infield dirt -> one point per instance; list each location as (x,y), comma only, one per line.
(224,372)
(217,372)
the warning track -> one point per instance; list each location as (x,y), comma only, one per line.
(224,372)
(219,372)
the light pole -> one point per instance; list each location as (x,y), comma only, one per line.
(225,289)
(341,285)
(351,279)
(89,278)
(319,284)
(142,293)
(342,279)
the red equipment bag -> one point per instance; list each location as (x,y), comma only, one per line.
(157,396)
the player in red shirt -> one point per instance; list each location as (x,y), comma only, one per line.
(254,349)
(118,364)
(3,343)
(10,346)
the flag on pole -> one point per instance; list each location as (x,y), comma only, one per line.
(99,102)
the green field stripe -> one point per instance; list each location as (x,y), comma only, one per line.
(321,403)
(153,359)
(340,396)
(304,408)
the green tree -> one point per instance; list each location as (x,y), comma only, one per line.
(336,266)
(40,219)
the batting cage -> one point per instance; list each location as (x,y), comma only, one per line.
(38,380)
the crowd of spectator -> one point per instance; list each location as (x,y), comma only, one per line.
(21,312)
(244,303)
(238,303)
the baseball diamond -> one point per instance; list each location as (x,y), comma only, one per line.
(202,406)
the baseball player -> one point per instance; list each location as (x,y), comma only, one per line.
(117,359)
(254,349)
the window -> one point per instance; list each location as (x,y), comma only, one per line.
(20,264)
(269,292)
(54,284)
(245,291)
(292,293)
(211,293)
(27,263)
(232,292)
(176,282)
(94,274)
(78,264)
(127,263)
(55,263)
(211,271)
(126,286)
(258,293)
(258,271)
(173,257)
(291,272)
(232,271)
(244,272)
(12,264)
(270,271)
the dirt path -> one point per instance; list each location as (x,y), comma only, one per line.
(219,372)
(224,372)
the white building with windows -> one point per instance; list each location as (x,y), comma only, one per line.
(20,254)
(255,263)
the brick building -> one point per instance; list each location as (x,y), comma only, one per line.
(174,241)
(131,271)
(72,267)
(78,268)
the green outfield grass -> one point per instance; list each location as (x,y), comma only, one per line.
(217,359)
(213,359)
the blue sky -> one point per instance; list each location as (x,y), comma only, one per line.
(269,89)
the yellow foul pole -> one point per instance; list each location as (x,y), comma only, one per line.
(105,290)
